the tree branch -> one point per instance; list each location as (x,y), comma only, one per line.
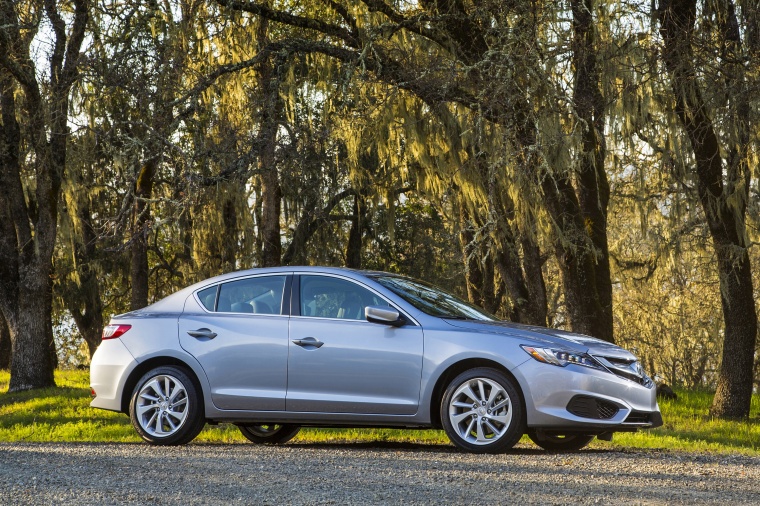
(292,20)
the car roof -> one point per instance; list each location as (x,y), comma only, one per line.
(289,269)
(173,301)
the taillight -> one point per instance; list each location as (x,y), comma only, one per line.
(114,331)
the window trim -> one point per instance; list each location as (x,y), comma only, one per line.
(286,295)
(295,302)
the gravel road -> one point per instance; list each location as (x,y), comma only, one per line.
(101,474)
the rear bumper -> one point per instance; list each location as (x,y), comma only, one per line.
(109,370)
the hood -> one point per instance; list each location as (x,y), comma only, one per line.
(546,336)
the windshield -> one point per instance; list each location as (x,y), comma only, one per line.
(432,300)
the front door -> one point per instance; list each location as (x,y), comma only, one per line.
(341,363)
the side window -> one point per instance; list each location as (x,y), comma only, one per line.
(207,297)
(259,295)
(328,297)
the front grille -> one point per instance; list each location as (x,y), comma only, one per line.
(628,369)
(585,406)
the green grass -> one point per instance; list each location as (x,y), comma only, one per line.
(63,414)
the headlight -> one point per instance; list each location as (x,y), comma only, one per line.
(562,357)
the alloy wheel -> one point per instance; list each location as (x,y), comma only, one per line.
(162,406)
(480,411)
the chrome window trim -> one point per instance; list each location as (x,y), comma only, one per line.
(219,284)
(322,318)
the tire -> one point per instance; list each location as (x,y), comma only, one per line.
(554,442)
(166,408)
(482,411)
(273,434)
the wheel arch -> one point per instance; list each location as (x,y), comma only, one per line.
(456,369)
(152,363)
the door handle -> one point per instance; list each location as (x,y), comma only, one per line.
(207,333)
(308,342)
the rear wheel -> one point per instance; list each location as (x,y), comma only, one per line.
(553,442)
(272,433)
(166,408)
(481,411)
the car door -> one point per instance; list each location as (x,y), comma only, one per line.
(241,341)
(341,363)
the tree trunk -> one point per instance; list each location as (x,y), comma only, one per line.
(573,247)
(32,363)
(724,206)
(85,304)
(271,253)
(271,193)
(9,146)
(534,278)
(139,270)
(354,247)
(576,260)
(526,287)
(229,235)
(5,344)
(593,189)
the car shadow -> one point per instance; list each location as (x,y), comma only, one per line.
(520,449)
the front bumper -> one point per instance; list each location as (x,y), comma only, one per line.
(579,398)
(109,370)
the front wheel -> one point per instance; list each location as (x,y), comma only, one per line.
(554,442)
(166,408)
(273,434)
(482,412)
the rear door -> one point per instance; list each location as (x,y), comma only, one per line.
(341,363)
(241,341)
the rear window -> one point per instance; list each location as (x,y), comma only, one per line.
(207,297)
(259,295)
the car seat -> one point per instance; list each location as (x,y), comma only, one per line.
(224,305)
(351,308)
(209,300)
(241,307)
(260,307)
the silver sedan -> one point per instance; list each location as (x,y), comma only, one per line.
(273,350)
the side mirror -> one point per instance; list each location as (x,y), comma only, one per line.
(384,315)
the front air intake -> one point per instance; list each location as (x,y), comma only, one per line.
(585,406)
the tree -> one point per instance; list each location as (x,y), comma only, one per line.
(722,184)
(446,54)
(38,120)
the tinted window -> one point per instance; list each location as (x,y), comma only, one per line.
(328,297)
(260,295)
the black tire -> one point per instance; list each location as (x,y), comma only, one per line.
(554,442)
(269,433)
(479,419)
(166,408)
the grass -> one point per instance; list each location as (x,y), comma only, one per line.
(63,414)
